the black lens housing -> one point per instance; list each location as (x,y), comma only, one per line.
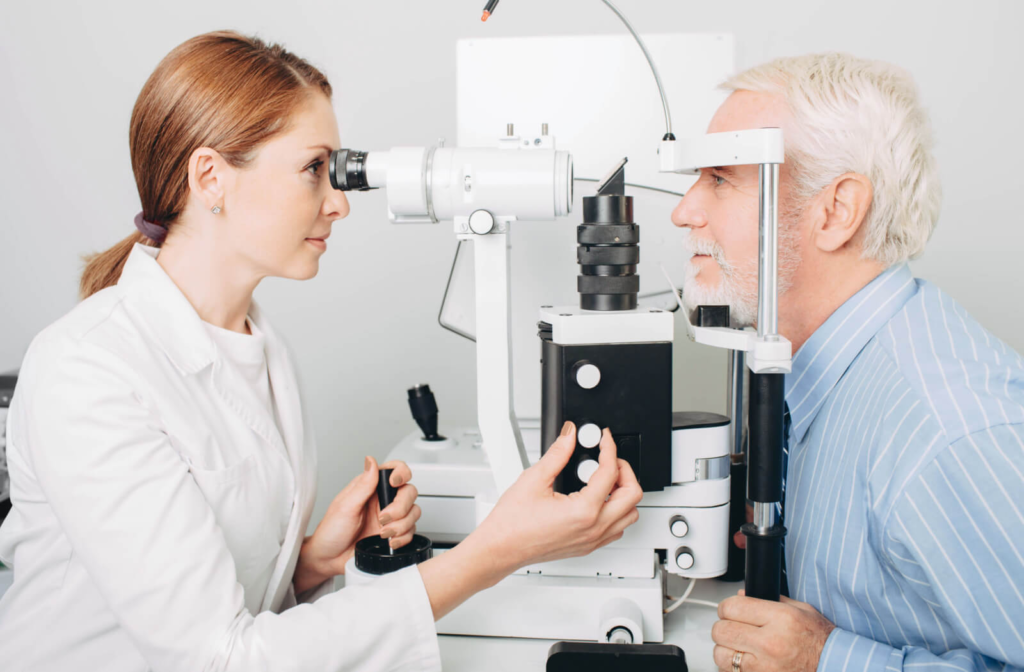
(608,248)
(347,168)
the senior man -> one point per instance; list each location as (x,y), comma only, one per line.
(905,480)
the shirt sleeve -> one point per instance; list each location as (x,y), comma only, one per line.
(140,526)
(956,536)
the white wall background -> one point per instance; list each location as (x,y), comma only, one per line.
(365,328)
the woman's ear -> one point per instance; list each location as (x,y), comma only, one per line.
(208,176)
(844,205)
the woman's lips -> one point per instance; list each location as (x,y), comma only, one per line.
(318,243)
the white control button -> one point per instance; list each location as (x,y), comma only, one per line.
(586,469)
(588,376)
(589,435)
(679,528)
(684,560)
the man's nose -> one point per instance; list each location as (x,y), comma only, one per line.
(689,212)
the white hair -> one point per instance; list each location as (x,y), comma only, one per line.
(852,115)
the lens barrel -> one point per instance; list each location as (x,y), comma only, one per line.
(347,168)
(608,248)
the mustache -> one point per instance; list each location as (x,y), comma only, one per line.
(694,246)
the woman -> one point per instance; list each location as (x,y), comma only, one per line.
(162,474)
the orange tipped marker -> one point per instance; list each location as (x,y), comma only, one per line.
(489,9)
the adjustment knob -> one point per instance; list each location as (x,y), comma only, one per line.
(684,559)
(679,527)
(586,469)
(481,222)
(587,375)
(589,435)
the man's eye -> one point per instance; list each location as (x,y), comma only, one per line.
(719,180)
(315,167)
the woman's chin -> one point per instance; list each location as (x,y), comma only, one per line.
(304,269)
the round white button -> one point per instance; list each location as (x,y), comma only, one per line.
(589,435)
(588,376)
(679,528)
(684,560)
(481,222)
(586,469)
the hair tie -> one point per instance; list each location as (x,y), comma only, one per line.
(155,232)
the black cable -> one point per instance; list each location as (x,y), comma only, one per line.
(650,62)
(636,186)
(444,299)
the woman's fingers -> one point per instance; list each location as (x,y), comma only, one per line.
(624,498)
(401,475)
(603,480)
(627,487)
(401,506)
(398,542)
(403,526)
(618,527)
(557,456)
(358,492)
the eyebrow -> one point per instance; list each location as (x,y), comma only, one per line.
(326,148)
(725,170)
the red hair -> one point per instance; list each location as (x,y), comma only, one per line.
(220,90)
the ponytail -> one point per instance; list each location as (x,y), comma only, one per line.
(103,269)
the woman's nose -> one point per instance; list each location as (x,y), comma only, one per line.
(689,213)
(336,205)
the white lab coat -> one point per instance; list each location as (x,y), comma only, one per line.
(148,486)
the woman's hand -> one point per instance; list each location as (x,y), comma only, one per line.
(533,523)
(353,515)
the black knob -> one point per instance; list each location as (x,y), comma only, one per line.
(424,411)
(375,556)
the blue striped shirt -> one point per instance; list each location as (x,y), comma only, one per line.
(905,493)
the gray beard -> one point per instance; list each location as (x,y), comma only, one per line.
(737,287)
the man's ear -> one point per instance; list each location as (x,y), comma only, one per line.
(208,176)
(843,205)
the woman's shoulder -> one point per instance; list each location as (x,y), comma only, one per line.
(97,326)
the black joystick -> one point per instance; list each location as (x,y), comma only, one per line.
(385,491)
(374,555)
(424,411)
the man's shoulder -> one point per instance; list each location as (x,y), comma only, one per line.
(963,374)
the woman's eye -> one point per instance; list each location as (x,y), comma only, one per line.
(719,180)
(315,167)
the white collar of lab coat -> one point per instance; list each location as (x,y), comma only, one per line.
(175,324)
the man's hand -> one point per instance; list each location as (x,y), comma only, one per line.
(786,636)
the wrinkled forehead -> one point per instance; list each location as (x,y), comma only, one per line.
(744,110)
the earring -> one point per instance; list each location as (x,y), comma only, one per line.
(215,209)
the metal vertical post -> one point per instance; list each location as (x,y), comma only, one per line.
(764,458)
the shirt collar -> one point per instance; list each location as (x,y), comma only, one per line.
(823,359)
